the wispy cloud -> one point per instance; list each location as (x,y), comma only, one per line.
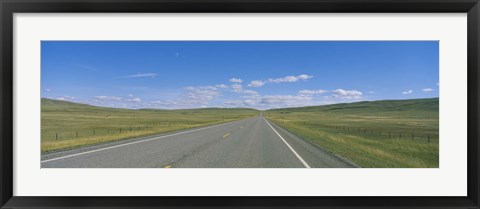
(192,97)
(256,83)
(237,87)
(311,92)
(107,98)
(223,86)
(141,75)
(278,101)
(290,79)
(66,98)
(407,92)
(428,90)
(235,80)
(251,92)
(233,102)
(116,101)
(200,95)
(347,94)
(136,100)
(286,79)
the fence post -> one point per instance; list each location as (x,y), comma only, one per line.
(400,135)
(56,136)
(76,134)
(389,135)
(120,130)
(94,132)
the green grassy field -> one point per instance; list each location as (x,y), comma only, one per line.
(67,125)
(377,134)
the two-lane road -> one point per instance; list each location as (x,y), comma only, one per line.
(248,143)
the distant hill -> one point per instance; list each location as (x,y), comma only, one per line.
(60,103)
(67,124)
(48,104)
(429,104)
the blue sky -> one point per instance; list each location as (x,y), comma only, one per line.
(257,74)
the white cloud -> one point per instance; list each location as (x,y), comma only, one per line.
(407,92)
(237,88)
(48,90)
(164,103)
(371,92)
(136,100)
(347,94)
(107,98)
(249,102)
(232,102)
(223,86)
(428,90)
(312,92)
(256,83)
(290,79)
(66,98)
(251,92)
(114,101)
(286,79)
(192,97)
(236,80)
(140,75)
(245,93)
(200,95)
(285,100)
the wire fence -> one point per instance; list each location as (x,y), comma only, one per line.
(105,131)
(375,132)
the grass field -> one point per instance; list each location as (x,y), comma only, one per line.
(68,125)
(377,134)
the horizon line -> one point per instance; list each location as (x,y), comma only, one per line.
(239,107)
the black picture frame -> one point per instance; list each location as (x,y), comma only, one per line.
(9,7)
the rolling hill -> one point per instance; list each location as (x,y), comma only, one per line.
(378,134)
(67,124)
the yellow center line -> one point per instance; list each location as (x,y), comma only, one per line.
(226,135)
(168,166)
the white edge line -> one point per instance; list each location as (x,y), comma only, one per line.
(135,142)
(288,145)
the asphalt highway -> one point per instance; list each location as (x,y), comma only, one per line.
(249,143)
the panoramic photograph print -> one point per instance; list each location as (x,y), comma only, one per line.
(239,104)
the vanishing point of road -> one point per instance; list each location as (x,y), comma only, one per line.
(249,143)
